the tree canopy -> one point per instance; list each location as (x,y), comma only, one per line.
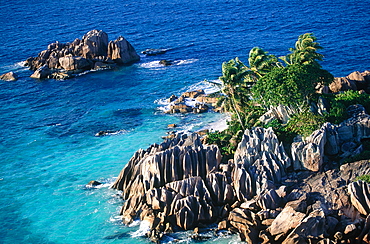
(293,85)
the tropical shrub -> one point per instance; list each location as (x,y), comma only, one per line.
(281,131)
(340,102)
(304,123)
(365,178)
(227,141)
(292,85)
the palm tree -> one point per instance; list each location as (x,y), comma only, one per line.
(260,62)
(235,87)
(304,51)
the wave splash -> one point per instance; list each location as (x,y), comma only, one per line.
(157,65)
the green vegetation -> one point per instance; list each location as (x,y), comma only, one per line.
(293,85)
(340,102)
(365,178)
(304,123)
(268,81)
(226,140)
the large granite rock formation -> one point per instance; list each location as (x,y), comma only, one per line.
(182,183)
(93,51)
(172,184)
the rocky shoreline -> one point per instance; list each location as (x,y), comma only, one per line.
(264,194)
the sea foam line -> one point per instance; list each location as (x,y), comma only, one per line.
(156,63)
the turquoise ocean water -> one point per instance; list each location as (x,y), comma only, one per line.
(48,149)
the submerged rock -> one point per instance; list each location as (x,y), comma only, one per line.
(153,51)
(94,183)
(166,62)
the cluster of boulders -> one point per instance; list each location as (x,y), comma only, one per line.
(343,141)
(262,193)
(192,101)
(355,81)
(93,51)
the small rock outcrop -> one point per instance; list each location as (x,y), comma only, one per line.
(10,76)
(192,101)
(153,51)
(93,183)
(93,51)
(355,81)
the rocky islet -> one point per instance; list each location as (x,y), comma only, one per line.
(93,51)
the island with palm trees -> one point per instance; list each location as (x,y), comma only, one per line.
(292,167)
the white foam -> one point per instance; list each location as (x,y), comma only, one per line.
(186,61)
(152,65)
(208,87)
(191,102)
(143,229)
(86,72)
(20,64)
(105,183)
(134,223)
(112,133)
(115,219)
(163,103)
(219,125)
(156,63)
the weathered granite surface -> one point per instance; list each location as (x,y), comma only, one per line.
(264,194)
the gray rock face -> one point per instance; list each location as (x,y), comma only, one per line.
(308,154)
(342,84)
(173,179)
(281,113)
(356,127)
(93,51)
(331,140)
(287,220)
(259,163)
(94,44)
(70,62)
(360,196)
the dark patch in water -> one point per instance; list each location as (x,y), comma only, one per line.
(117,236)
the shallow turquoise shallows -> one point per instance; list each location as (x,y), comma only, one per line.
(48,147)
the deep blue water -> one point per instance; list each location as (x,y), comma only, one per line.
(47,145)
